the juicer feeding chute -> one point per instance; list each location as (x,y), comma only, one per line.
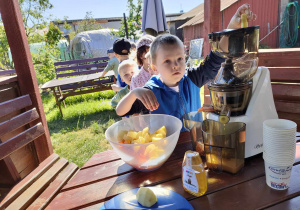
(240,48)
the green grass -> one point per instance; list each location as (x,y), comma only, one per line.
(80,133)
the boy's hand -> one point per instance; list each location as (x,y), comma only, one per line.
(235,22)
(147,97)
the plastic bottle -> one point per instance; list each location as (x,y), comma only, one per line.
(194,178)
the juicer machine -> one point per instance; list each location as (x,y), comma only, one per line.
(241,92)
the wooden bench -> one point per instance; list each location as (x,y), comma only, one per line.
(79,77)
(284,66)
(19,126)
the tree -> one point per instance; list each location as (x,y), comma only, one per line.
(33,15)
(88,23)
(53,35)
(133,20)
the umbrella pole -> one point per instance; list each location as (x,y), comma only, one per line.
(125,24)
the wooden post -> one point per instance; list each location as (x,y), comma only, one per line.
(17,40)
(211,21)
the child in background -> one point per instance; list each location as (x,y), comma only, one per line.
(121,47)
(152,70)
(143,46)
(132,55)
(112,64)
(175,91)
(126,70)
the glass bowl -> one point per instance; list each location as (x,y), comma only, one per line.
(148,156)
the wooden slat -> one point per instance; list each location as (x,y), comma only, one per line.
(293,203)
(116,168)
(83,67)
(73,80)
(253,194)
(93,207)
(30,194)
(86,85)
(279,57)
(285,74)
(42,201)
(81,92)
(79,73)
(100,158)
(80,61)
(18,121)
(21,140)
(98,173)
(286,106)
(290,116)
(28,180)
(6,72)
(286,92)
(15,104)
(8,79)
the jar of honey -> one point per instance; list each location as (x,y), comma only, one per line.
(194,178)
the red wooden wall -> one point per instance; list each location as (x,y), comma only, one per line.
(267,11)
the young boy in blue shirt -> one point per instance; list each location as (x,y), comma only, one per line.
(176,90)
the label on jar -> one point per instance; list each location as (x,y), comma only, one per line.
(189,179)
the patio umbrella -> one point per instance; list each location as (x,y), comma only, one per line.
(154,18)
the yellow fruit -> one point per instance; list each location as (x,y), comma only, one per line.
(146,197)
(132,134)
(156,138)
(162,130)
(126,137)
(147,138)
(141,140)
(145,130)
(121,134)
(149,150)
(244,21)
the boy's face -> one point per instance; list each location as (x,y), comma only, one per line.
(127,73)
(170,63)
(111,55)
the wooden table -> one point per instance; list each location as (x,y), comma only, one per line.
(105,176)
(63,88)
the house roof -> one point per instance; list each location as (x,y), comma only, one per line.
(199,18)
(226,3)
(197,13)
(191,13)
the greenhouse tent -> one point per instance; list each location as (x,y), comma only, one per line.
(92,44)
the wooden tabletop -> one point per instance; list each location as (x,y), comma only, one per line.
(72,80)
(106,175)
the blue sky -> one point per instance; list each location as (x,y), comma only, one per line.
(76,9)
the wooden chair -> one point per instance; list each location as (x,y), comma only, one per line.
(18,128)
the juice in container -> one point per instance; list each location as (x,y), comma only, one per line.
(194,178)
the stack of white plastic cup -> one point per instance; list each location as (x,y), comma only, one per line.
(279,140)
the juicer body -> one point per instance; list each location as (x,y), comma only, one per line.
(261,107)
